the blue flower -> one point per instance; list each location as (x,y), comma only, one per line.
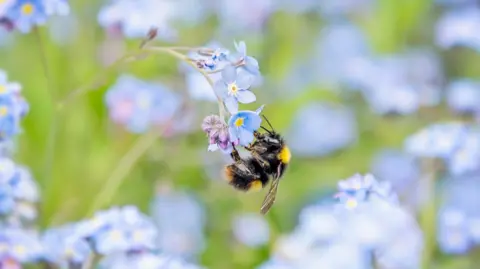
(242,125)
(56,7)
(120,230)
(306,136)
(233,88)
(13,108)
(246,62)
(26,14)
(7,201)
(459,27)
(145,260)
(463,96)
(5,6)
(140,105)
(251,229)
(181,235)
(62,247)
(20,245)
(453,235)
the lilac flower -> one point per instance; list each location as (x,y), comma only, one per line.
(217,132)
(180,235)
(307,137)
(63,248)
(234,88)
(140,105)
(463,96)
(459,27)
(251,230)
(242,125)
(26,14)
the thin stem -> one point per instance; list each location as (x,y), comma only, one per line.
(51,137)
(428,212)
(122,169)
(89,263)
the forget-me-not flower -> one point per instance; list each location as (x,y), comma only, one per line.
(234,88)
(251,229)
(459,27)
(242,125)
(20,245)
(246,62)
(62,247)
(25,14)
(463,96)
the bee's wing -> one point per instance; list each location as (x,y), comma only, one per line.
(271,195)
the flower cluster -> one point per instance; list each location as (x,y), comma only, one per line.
(238,72)
(458,144)
(459,217)
(140,105)
(354,233)
(13,108)
(458,27)
(26,14)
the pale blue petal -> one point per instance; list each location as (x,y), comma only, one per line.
(220,89)
(251,65)
(233,132)
(229,74)
(246,137)
(246,97)
(241,47)
(244,80)
(259,110)
(212,147)
(231,104)
(251,121)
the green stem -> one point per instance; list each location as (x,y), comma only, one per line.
(122,169)
(428,212)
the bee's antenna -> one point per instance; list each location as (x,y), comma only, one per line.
(269,124)
(268,131)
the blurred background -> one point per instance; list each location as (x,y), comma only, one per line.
(346,82)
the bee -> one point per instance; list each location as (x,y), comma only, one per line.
(269,159)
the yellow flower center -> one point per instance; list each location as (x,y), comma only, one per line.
(351,203)
(232,89)
(28,9)
(239,122)
(3,89)
(3,111)
(19,250)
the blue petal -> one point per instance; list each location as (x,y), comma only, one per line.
(246,137)
(241,47)
(244,80)
(229,74)
(246,97)
(231,104)
(251,65)
(251,120)
(233,131)
(259,110)
(220,89)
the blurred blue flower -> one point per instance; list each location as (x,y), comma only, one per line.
(459,27)
(20,245)
(398,168)
(63,248)
(5,6)
(13,107)
(307,136)
(144,260)
(463,96)
(234,88)
(25,14)
(466,157)
(452,234)
(242,125)
(251,229)
(437,140)
(180,219)
(334,9)
(7,201)
(56,7)
(140,105)
(243,17)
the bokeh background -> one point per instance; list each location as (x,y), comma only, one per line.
(346,82)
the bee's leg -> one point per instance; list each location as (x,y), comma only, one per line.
(235,156)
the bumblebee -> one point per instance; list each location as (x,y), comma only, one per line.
(269,159)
